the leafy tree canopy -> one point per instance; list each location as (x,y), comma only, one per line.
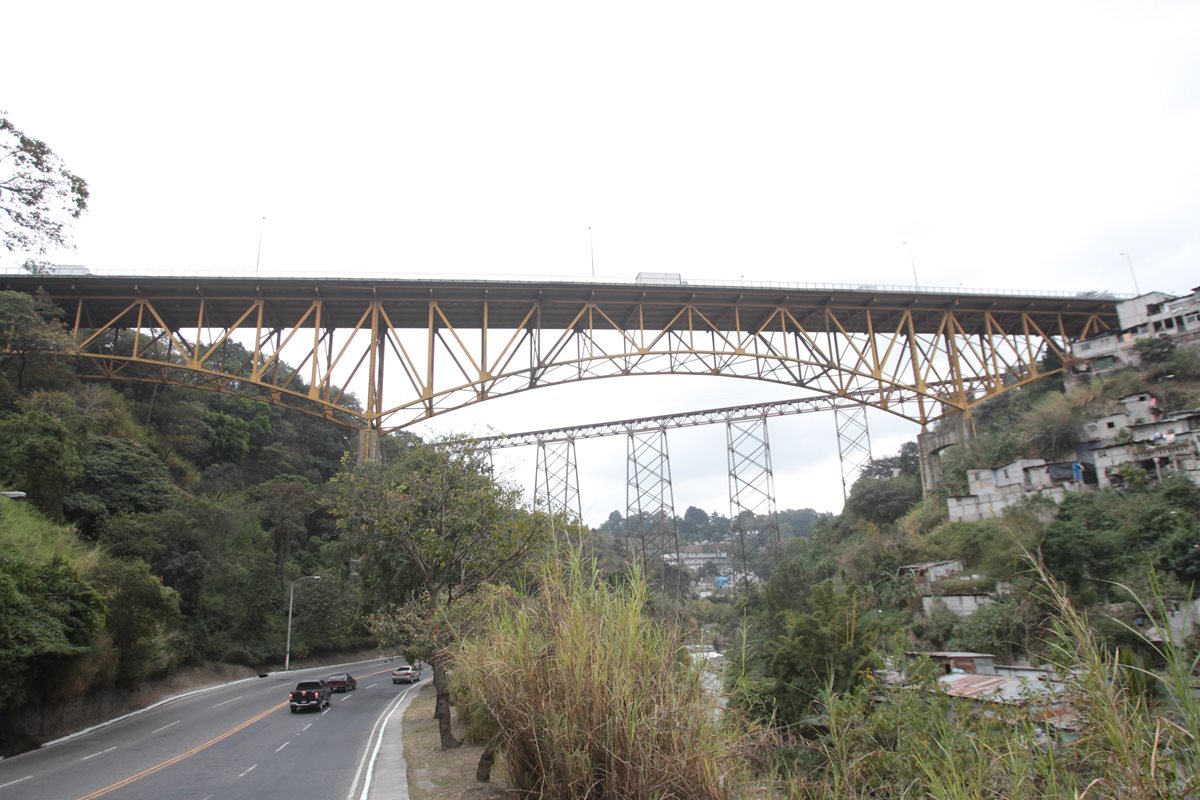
(39,196)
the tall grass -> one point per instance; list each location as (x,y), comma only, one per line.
(919,743)
(590,696)
(593,698)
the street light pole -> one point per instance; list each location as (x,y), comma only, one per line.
(287,655)
(1129,260)
(913,263)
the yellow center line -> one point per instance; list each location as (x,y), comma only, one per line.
(176,759)
(383,671)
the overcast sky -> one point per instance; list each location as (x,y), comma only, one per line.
(1018,145)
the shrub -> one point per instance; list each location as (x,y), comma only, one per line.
(592,698)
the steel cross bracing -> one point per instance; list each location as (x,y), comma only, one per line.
(386,354)
(557,483)
(854,443)
(686,419)
(650,529)
(752,496)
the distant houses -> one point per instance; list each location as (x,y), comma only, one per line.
(1154,314)
(1138,434)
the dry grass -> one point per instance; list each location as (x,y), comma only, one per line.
(591,695)
(436,774)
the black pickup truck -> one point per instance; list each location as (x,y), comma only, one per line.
(309,694)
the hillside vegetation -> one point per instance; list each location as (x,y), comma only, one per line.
(162,526)
(1077,588)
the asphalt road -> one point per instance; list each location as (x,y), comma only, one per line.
(236,741)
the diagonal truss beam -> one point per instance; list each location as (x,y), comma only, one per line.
(388,354)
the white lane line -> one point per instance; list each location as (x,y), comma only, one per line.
(164,727)
(306,727)
(326,711)
(347,697)
(371,754)
(247,772)
(277,749)
(223,702)
(13,783)
(372,686)
(208,797)
(102,752)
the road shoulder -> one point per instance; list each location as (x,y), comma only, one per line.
(436,774)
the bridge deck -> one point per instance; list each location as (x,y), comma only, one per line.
(508,302)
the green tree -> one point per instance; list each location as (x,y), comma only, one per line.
(883,500)
(828,642)
(454,525)
(143,619)
(38,194)
(1002,628)
(49,613)
(29,335)
(284,505)
(1154,351)
(905,463)
(40,457)
(118,476)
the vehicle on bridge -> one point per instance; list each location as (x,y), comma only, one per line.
(310,694)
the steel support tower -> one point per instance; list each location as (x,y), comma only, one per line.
(751,494)
(557,483)
(854,443)
(650,528)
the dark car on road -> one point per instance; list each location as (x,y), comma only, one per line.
(310,694)
(406,674)
(341,682)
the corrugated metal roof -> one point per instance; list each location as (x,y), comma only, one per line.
(997,688)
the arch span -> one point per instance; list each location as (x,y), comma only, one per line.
(386,354)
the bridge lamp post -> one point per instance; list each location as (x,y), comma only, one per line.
(1129,260)
(287,655)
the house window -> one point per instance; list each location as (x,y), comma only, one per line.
(1111,424)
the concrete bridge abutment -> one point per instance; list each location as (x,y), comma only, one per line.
(957,429)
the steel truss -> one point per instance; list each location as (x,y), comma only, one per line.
(650,528)
(854,443)
(752,497)
(434,346)
(557,483)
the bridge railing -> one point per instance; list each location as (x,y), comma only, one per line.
(78,272)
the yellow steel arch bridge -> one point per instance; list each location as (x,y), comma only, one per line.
(384,354)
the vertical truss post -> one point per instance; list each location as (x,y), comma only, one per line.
(854,444)
(368,445)
(650,528)
(751,492)
(557,483)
